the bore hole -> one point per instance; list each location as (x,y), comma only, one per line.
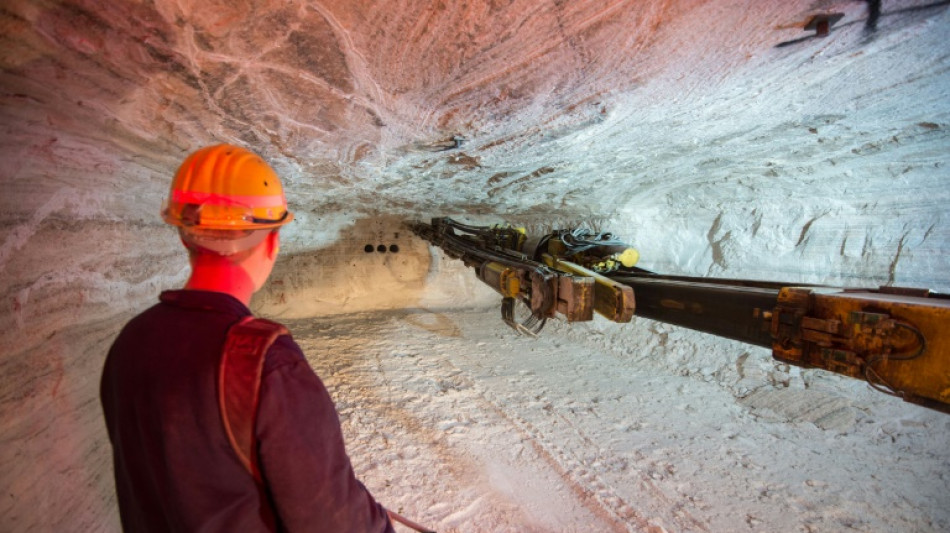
(368,248)
(381,248)
(394,248)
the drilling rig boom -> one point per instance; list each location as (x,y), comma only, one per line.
(896,339)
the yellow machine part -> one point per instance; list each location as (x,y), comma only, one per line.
(503,279)
(899,343)
(629,257)
(612,300)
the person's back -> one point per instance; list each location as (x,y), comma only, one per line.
(173,472)
(175,467)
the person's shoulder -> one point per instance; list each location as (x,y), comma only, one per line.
(143,319)
(284,351)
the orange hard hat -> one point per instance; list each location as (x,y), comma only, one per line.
(225,187)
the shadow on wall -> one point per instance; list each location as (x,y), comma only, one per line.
(377,264)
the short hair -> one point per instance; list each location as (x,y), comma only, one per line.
(222,242)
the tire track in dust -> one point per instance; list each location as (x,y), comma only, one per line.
(647,483)
(355,372)
(362,371)
(596,494)
(592,491)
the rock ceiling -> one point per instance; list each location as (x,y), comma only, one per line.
(402,106)
(642,111)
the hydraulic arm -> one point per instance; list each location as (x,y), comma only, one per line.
(896,339)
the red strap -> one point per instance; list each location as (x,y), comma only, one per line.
(395,517)
(239,384)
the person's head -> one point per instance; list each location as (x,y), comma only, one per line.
(228,205)
(254,251)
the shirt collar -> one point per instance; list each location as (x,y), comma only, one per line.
(206,300)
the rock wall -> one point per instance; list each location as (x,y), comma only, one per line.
(717,137)
(376,264)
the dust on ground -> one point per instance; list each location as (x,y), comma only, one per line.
(455,421)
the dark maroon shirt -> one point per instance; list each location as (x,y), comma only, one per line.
(175,469)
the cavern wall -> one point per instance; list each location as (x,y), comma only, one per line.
(718,137)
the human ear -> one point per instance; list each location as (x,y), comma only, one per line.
(273,245)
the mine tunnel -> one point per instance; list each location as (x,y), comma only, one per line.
(795,141)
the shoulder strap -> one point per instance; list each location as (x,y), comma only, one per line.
(239,384)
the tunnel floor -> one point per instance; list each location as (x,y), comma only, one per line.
(457,422)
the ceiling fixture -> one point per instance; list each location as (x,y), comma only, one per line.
(821,24)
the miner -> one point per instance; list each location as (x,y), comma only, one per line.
(181,464)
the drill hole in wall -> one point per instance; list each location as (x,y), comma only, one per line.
(381,248)
(368,248)
(394,248)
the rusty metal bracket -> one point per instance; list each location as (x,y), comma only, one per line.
(821,24)
(612,300)
(893,340)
